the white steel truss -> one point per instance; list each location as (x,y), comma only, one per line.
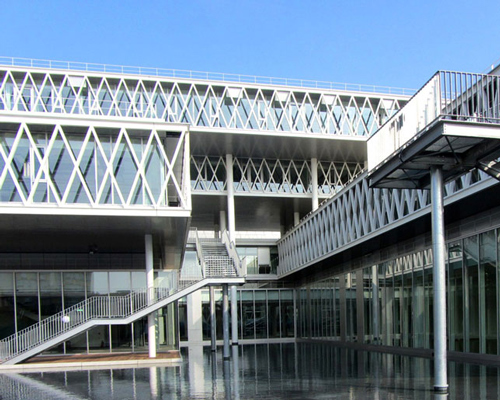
(207,104)
(96,165)
(359,211)
(270,176)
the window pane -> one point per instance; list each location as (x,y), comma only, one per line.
(27,299)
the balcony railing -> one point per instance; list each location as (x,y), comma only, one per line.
(449,95)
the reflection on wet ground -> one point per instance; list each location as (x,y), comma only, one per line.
(275,371)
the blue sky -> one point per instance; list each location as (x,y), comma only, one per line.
(386,43)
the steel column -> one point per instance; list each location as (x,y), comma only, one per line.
(234,316)
(148,239)
(225,320)
(213,332)
(438,248)
(314,183)
(230,197)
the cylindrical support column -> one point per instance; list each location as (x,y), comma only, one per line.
(314,183)
(375,305)
(438,248)
(296,213)
(225,320)
(150,280)
(234,316)
(213,331)
(230,197)
(222,221)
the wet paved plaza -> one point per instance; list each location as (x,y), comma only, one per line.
(275,371)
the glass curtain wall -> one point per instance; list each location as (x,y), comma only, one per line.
(398,300)
(27,297)
(262,314)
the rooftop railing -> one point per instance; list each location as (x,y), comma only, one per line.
(199,75)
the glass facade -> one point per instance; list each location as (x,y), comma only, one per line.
(395,299)
(28,297)
(262,314)
(42,166)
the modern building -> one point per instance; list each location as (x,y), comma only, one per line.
(132,201)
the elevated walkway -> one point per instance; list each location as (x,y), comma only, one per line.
(454,119)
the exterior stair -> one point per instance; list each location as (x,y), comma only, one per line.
(216,267)
(217,260)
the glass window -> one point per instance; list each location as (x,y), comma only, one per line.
(488,290)
(471,252)
(455,296)
(7,327)
(138,280)
(27,299)
(50,293)
(119,283)
(97,283)
(247,314)
(260,317)
(287,313)
(273,313)
(250,255)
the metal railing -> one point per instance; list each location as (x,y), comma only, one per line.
(458,96)
(199,252)
(199,75)
(96,307)
(239,264)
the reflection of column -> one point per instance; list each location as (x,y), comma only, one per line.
(225,320)
(230,197)
(213,332)
(314,183)
(236,373)
(150,283)
(234,316)
(227,379)
(213,360)
(196,371)
(153,382)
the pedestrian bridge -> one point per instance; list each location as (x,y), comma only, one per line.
(455,118)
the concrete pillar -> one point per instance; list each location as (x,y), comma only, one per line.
(213,331)
(150,280)
(225,320)
(230,198)
(234,316)
(438,249)
(296,214)
(195,318)
(314,183)
(222,221)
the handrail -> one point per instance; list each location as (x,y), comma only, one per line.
(211,76)
(96,307)
(199,252)
(447,95)
(233,254)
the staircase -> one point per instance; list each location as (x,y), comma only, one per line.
(216,267)
(217,260)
